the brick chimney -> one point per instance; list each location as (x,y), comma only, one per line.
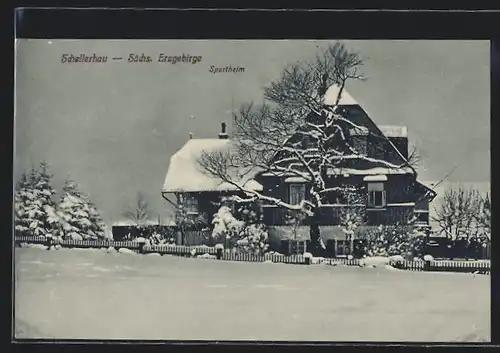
(223,134)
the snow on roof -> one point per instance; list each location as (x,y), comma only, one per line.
(378,177)
(185,175)
(332,94)
(372,171)
(295,179)
(393,130)
(129,222)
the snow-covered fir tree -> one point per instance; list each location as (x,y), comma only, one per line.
(79,217)
(22,196)
(34,208)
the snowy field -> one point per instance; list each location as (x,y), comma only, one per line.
(78,294)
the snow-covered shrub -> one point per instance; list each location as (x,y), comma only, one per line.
(253,239)
(404,240)
(274,253)
(111,250)
(428,257)
(206,256)
(126,251)
(243,236)
(397,259)
(375,261)
(225,225)
(318,260)
(156,238)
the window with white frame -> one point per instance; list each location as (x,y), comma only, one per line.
(190,204)
(376,195)
(297,193)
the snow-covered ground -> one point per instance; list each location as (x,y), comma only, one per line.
(99,295)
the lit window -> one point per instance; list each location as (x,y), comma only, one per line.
(376,195)
(297,193)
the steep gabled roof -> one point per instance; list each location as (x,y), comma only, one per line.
(357,115)
(332,94)
(185,175)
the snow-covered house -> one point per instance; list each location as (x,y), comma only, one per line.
(188,184)
(392,193)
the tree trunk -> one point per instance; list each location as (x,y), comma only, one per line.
(314,234)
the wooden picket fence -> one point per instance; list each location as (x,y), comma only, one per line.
(481,267)
(29,239)
(98,244)
(276,258)
(179,249)
(446,266)
(342,261)
(410,265)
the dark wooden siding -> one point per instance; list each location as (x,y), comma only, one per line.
(422,204)
(399,189)
(331,216)
(274,187)
(389,215)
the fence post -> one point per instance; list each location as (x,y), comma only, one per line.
(48,242)
(141,246)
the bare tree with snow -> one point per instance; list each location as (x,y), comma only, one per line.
(483,216)
(458,212)
(295,132)
(139,213)
(414,156)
